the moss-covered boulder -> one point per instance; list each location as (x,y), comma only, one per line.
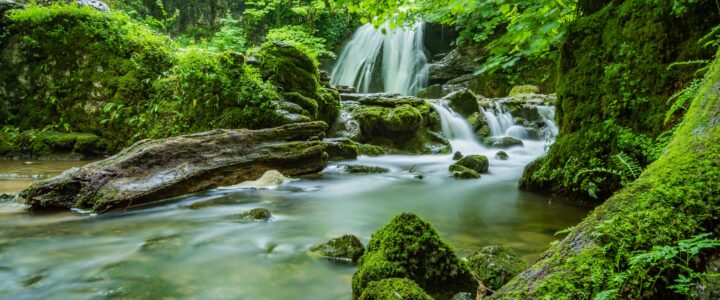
(524,89)
(463,102)
(66,145)
(475,162)
(501,155)
(409,247)
(365,169)
(296,76)
(494,266)
(255,214)
(393,289)
(502,142)
(345,248)
(479,124)
(461,172)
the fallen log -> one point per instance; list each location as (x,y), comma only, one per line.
(153,170)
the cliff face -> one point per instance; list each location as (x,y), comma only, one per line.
(616,76)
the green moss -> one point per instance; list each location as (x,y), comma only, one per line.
(409,247)
(613,88)
(463,102)
(256,214)
(346,247)
(477,163)
(393,289)
(462,172)
(48,143)
(494,266)
(365,169)
(372,150)
(524,89)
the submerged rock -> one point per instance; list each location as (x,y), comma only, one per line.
(475,162)
(394,289)
(501,155)
(5,197)
(256,214)
(409,247)
(457,155)
(347,247)
(153,170)
(269,179)
(502,142)
(494,266)
(461,172)
(365,169)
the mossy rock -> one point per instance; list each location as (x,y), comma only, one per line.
(524,89)
(463,102)
(461,172)
(394,289)
(409,247)
(372,150)
(475,162)
(342,149)
(502,142)
(457,155)
(365,169)
(434,91)
(66,145)
(494,266)
(256,214)
(501,155)
(347,247)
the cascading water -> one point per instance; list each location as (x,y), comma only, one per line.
(457,130)
(404,63)
(498,120)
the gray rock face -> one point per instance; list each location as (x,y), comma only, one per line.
(101,6)
(153,170)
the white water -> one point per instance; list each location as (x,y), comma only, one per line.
(404,64)
(458,132)
(499,120)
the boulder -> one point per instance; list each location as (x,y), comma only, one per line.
(501,155)
(494,266)
(461,172)
(365,169)
(99,5)
(409,247)
(463,102)
(153,170)
(434,91)
(524,89)
(502,142)
(475,162)
(394,289)
(269,179)
(255,214)
(345,248)
(457,155)
(341,149)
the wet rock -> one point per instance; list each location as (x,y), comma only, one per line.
(256,214)
(434,91)
(341,149)
(502,142)
(494,266)
(365,169)
(394,288)
(153,170)
(461,172)
(457,155)
(463,102)
(409,247)
(269,179)
(524,89)
(101,6)
(475,162)
(5,197)
(347,247)
(501,155)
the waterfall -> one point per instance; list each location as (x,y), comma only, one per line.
(548,115)
(404,66)
(457,130)
(499,120)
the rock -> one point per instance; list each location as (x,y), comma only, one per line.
(6,197)
(524,89)
(461,172)
(256,214)
(409,247)
(101,6)
(477,163)
(153,170)
(434,91)
(457,155)
(8,5)
(269,179)
(463,102)
(502,142)
(347,247)
(394,289)
(501,155)
(365,169)
(494,266)
(341,149)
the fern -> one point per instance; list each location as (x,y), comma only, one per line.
(682,98)
(630,165)
(687,63)
(712,39)
(624,167)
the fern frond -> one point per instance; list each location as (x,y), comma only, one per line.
(598,170)
(630,165)
(712,38)
(700,62)
(681,98)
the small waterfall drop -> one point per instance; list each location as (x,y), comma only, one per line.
(404,66)
(457,130)
(499,121)
(548,115)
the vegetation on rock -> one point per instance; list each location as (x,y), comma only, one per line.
(347,247)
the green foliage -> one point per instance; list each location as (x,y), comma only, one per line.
(495,265)
(393,289)
(230,37)
(626,168)
(681,99)
(164,21)
(299,37)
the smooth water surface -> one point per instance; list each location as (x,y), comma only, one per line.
(16,175)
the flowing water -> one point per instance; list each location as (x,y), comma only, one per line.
(172,251)
(403,68)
